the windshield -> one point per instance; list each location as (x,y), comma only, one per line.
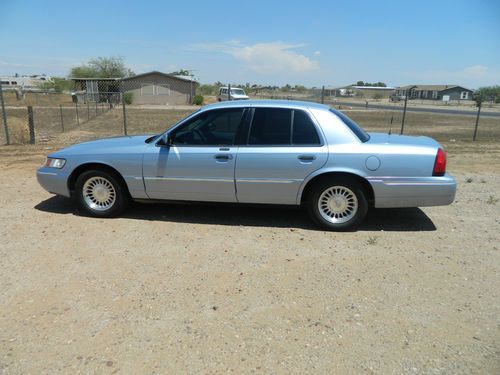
(237,92)
(355,128)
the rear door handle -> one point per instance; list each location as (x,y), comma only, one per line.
(222,157)
(306,157)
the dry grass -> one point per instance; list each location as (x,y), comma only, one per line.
(454,131)
(19,132)
(37,99)
(442,127)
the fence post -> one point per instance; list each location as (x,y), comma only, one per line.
(62,118)
(77,116)
(323,95)
(228,92)
(124,115)
(404,115)
(31,125)
(477,121)
(4,115)
(88,110)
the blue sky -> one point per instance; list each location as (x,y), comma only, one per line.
(312,43)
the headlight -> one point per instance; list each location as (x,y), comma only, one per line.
(55,163)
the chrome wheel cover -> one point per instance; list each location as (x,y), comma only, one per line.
(99,193)
(338,204)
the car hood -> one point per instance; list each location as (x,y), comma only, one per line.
(104,146)
(402,140)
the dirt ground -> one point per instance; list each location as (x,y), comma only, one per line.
(202,289)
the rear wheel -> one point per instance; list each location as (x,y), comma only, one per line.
(100,194)
(338,204)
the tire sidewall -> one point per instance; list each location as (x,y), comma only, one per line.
(355,187)
(121,194)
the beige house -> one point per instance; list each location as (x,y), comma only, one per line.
(160,88)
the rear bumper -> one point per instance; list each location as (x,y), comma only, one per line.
(53,180)
(413,191)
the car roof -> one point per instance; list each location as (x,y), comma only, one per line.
(265,103)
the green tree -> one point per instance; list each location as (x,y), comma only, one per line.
(57,84)
(102,67)
(489,93)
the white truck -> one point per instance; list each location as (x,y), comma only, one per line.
(234,94)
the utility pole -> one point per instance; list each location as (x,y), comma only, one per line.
(5,127)
(404,114)
(477,120)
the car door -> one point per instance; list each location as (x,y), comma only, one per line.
(198,164)
(283,147)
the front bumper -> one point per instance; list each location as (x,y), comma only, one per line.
(53,180)
(413,191)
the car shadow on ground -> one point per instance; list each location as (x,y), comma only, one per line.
(393,219)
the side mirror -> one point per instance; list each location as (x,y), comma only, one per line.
(166,140)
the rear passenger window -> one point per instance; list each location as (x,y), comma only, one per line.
(304,131)
(271,126)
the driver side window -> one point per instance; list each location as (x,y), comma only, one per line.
(210,128)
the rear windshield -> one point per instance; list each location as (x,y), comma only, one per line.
(355,128)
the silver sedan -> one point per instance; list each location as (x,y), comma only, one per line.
(271,152)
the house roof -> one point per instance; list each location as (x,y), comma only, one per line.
(431,87)
(181,78)
(93,79)
(382,88)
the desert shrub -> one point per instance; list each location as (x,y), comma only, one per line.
(128,97)
(378,96)
(198,100)
(18,130)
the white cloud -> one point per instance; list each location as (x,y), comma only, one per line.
(317,53)
(265,58)
(475,71)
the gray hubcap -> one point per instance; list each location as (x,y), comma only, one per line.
(338,204)
(99,193)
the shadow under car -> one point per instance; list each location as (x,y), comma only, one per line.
(387,219)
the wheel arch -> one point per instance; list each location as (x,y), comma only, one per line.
(94,166)
(331,174)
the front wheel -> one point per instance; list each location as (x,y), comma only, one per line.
(338,204)
(100,194)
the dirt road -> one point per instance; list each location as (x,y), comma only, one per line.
(192,289)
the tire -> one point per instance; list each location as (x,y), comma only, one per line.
(337,204)
(99,193)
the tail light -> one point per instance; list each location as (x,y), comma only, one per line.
(440,163)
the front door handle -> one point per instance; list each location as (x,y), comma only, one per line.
(306,157)
(223,157)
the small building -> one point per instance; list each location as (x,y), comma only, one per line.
(160,88)
(362,91)
(435,92)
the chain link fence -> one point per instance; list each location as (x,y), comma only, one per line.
(113,107)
